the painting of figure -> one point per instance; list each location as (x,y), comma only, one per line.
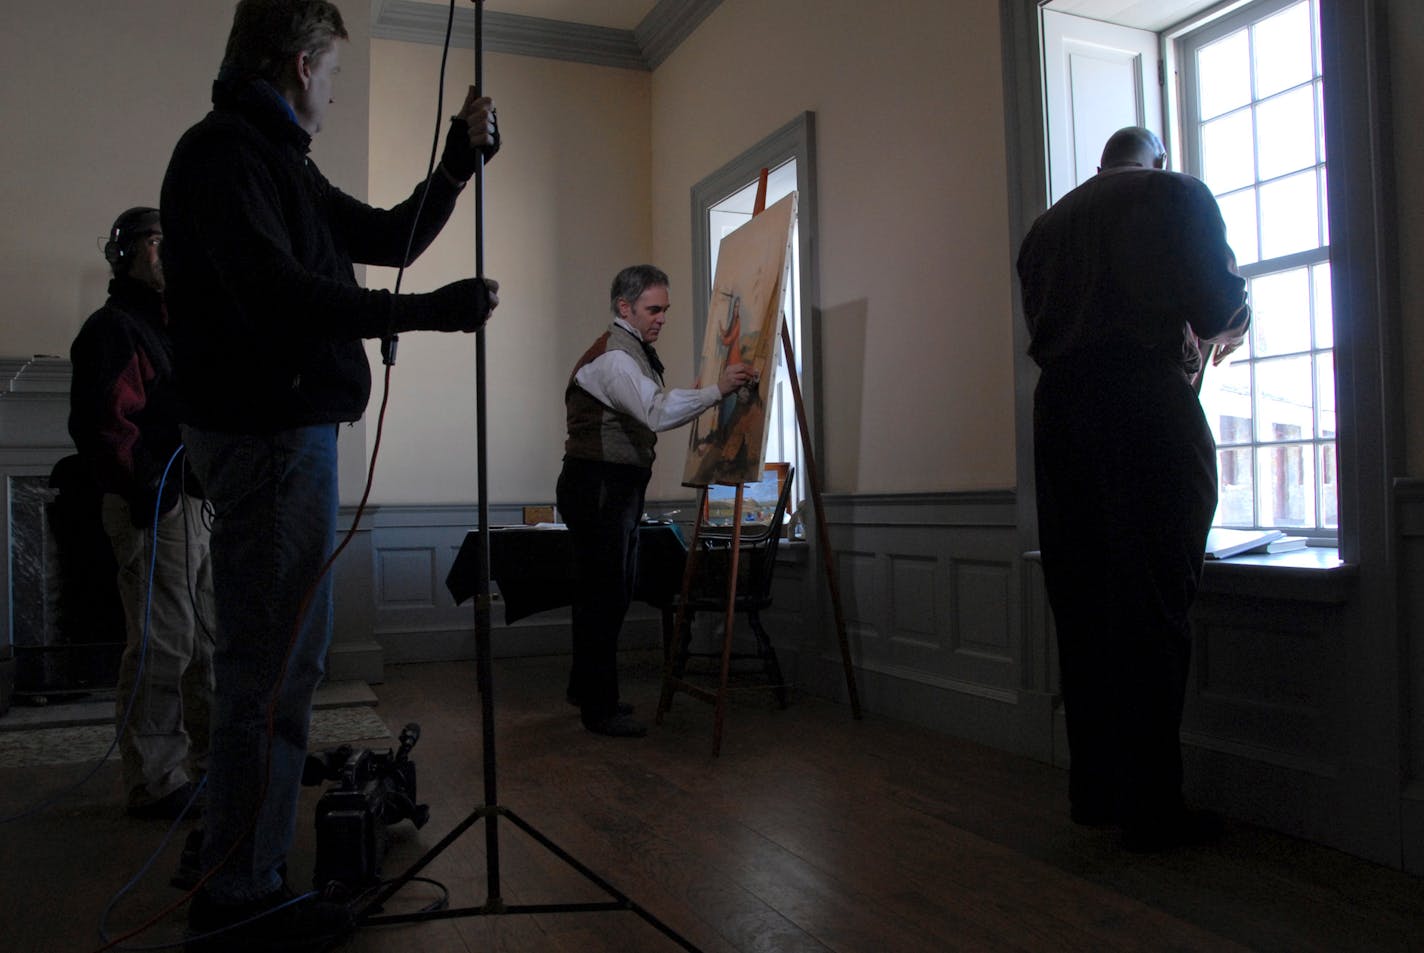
(743,326)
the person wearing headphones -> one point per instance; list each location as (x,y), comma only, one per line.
(124,420)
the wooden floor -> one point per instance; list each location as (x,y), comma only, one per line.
(810,832)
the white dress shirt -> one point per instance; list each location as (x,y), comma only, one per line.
(615,380)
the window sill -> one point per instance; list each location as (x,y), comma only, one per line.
(1314,574)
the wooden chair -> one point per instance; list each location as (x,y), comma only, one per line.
(755,570)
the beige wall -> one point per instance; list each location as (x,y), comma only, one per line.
(95,96)
(596,172)
(1406,30)
(916,372)
(567,206)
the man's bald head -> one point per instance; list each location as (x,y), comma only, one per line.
(1133,146)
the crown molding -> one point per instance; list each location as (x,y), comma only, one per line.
(643,48)
(667,25)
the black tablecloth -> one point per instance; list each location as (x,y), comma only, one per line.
(534,568)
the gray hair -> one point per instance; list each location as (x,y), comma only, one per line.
(267,33)
(632,282)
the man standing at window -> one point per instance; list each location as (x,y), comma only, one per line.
(267,322)
(1125,281)
(616,405)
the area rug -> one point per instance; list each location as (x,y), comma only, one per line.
(67,745)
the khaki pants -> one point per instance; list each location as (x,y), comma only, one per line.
(167,687)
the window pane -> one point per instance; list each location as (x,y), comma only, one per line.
(1224,75)
(1228,152)
(1286,476)
(1261,150)
(1284,405)
(1280,318)
(1290,220)
(1329,497)
(1283,50)
(1235,502)
(1324,314)
(1286,128)
(1238,210)
(1325,395)
(1226,401)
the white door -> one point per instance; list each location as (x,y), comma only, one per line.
(1098,77)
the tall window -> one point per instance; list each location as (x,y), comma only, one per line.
(723,202)
(1254,132)
(783,441)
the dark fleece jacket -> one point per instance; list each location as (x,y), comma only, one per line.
(265,312)
(123,412)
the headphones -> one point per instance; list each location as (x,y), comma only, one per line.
(128,227)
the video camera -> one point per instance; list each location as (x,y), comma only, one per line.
(374,791)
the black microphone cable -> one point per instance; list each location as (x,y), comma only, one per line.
(392,340)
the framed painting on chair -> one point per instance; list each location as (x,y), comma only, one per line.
(759,500)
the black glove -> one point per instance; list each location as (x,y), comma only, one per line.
(462,305)
(459,156)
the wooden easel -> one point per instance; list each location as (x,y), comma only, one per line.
(718,699)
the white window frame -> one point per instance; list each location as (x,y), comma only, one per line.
(1364,282)
(1314,451)
(793,142)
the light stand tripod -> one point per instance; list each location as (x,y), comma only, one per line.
(491,811)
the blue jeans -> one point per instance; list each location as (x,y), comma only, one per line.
(274,498)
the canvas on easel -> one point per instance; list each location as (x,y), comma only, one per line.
(727,467)
(728,441)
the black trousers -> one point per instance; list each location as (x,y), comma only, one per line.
(601,503)
(1126,489)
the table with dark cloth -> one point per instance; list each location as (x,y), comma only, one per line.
(534,568)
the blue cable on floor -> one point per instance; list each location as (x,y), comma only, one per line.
(138,676)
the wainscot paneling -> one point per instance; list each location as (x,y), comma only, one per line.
(1409,501)
(1260,739)
(414,618)
(948,627)
(931,591)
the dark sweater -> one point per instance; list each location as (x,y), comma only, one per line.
(1132,257)
(123,412)
(265,312)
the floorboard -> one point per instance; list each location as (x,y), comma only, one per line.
(811,832)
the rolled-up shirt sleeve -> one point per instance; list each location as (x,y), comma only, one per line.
(615,380)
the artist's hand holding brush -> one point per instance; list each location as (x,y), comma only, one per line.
(737,375)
